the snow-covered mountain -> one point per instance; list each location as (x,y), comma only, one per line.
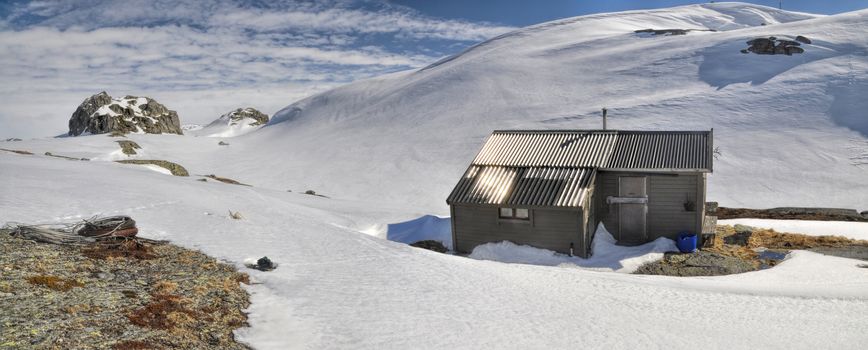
(785,125)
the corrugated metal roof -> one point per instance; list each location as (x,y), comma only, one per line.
(555,167)
(614,149)
(523,186)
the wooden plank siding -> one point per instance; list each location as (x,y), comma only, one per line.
(552,229)
(666,196)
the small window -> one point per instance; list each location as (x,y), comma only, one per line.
(506,212)
(514,213)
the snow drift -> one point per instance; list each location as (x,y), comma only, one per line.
(605,254)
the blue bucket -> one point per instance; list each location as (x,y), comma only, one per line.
(686,242)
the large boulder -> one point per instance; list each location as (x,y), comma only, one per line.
(100,114)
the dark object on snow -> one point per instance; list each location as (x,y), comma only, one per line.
(803,39)
(119,226)
(310,192)
(670,31)
(263,264)
(773,46)
(431,245)
(222,143)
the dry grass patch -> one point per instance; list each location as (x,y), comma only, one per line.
(119,248)
(54,283)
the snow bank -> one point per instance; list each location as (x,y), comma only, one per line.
(427,227)
(606,255)
(849,229)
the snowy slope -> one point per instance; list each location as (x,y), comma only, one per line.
(785,124)
(390,149)
(338,288)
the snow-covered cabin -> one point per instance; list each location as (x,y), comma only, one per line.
(550,188)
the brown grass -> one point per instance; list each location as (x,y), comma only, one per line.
(164,311)
(132,345)
(121,248)
(771,239)
(781,240)
(54,282)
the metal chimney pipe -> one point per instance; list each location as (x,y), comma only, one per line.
(604,118)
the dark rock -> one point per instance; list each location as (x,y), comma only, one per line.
(803,39)
(263,264)
(773,46)
(126,115)
(699,263)
(310,192)
(431,245)
(223,143)
(670,31)
(793,49)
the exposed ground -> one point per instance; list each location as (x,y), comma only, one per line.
(822,214)
(175,168)
(739,248)
(225,180)
(123,296)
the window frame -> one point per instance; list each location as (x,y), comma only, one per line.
(513,214)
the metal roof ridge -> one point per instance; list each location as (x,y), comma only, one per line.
(607,131)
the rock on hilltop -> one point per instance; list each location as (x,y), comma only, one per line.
(101,114)
(237,122)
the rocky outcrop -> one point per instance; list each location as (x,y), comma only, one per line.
(100,114)
(243,116)
(775,46)
(670,31)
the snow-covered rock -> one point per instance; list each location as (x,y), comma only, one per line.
(237,122)
(100,114)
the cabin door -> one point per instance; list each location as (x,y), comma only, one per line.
(631,215)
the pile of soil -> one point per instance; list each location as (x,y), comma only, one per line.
(127,294)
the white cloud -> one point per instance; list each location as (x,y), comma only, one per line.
(198,49)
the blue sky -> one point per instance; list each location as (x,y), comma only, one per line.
(203,58)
